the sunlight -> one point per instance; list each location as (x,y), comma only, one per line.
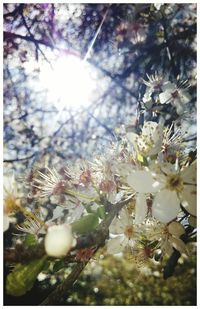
(68,82)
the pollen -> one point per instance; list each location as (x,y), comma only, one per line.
(11,204)
(174,183)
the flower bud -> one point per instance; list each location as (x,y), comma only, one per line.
(58,240)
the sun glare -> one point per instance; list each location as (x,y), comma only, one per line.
(68,82)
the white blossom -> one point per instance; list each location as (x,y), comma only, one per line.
(126,233)
(177,96)
(58,240)
(170,188)
(149,142)
(171,239)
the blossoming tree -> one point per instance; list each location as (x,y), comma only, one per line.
(137,197)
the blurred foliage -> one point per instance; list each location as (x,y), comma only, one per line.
(117,281)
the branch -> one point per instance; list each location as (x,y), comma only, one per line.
(58,296)
(14,13)
(19,159)
(97,238)
(22,254)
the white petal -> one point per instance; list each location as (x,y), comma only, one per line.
(117,226)
(166,247)
(57,212)
(189,174)
(188,198)
(179,106)
(140,208)
(6,222)
(168,86)
(143,182)
(114,245)
(176,229)
(192,221)
(165,97)
(132,137)
(125,217)
(149,127)
(166,206)
(185,96)
(179,245)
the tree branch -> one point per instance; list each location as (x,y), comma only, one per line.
(58,296)
(97,238)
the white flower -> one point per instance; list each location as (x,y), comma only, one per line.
(170,188)
(172,146)
(12,201)
(158,6)
(176,96)
(171,239)
(155,82)
(49,183)
(147,99)
(126,231)
(58,240)
(35,224)
(6,222)
(150,140)
(140,208)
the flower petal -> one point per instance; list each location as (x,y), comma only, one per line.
(189,174)
(192,221)
(179,245)
(179,106)
(132,137)
(165,97)
(188,199)
(6,222)
(166,247)
(117,226)
(176,229)
(143,182)
(140,208)
(125,217)
(114,245)
(165,206)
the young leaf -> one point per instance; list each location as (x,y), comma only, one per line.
(22,278)
(85,224)
(30,240)
(101,212)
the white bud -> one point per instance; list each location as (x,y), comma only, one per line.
(58,240)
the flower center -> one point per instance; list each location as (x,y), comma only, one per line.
(11,203)
(129,231)
(175,94)
(174,183)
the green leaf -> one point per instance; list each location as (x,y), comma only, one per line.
(85,224)
(88,208)
(58,265)
(22,278)
(30,240)
(101,212)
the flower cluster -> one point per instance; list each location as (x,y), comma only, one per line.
(143,188)
(159,90)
